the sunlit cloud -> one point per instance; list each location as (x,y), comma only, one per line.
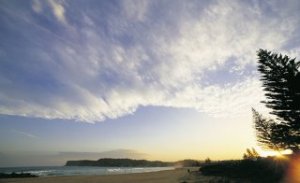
(58,10)
(112,59)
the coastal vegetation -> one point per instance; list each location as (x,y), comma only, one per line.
(110,162)
(280,77)
(249,170)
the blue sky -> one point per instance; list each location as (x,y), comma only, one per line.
(131,77)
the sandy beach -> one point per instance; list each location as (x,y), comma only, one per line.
(168,176)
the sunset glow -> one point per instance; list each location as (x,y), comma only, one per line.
(142,79)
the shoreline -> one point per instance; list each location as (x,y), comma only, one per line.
(49,171)
(178,175)
(164,176)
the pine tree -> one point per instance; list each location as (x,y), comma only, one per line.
(281,82)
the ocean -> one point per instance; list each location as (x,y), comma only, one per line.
(80,170)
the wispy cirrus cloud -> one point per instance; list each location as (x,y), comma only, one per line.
(25,134)
(113,58)
(36,6)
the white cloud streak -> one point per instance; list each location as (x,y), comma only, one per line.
(37,6)
(145,60)
(26,134)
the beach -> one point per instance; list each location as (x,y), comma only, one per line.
(167,176)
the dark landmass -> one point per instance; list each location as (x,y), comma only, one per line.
(16,175)
(259,171)
(188,163)
(110,162)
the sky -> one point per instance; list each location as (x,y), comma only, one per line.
(158,80)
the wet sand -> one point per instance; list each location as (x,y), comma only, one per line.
(167,176)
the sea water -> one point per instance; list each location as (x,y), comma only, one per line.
(80,170)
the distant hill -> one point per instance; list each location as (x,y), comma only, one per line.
(188,163)
(110,162)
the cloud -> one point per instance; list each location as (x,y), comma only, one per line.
(58,10)
(115,58)
(37,6)
(135,10)
(26,134)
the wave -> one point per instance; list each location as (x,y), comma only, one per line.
(70,171)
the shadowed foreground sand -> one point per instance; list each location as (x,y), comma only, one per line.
(168,176)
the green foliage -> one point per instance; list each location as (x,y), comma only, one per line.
(281,82)
(280,76)
(207,161)
(251,154)
(109,162)
(260,171)
(187,163)
(264,131)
